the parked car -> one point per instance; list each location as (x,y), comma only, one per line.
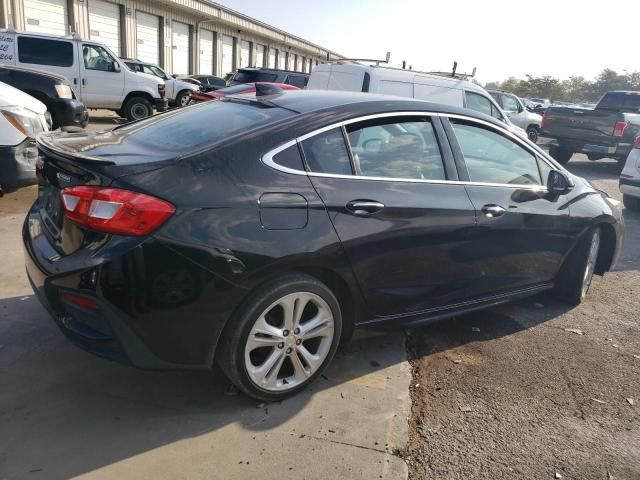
(51,89)
(208,82)
(457,91)
(515,109)
(97,76)
(630,178)
(262,240)
(269,75)
(22,118)
(242,89)
(606,131)
(177,91)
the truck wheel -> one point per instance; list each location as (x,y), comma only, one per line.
(575,275)
(182,100)
(561,155)
(532,133)
(632,203)
(282,337)
(137,108)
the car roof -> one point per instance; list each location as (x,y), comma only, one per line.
(34,71)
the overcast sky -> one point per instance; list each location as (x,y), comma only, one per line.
(501,38)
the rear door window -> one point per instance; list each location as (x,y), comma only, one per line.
(482,104)
(44,51)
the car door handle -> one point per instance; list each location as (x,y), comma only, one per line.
(75,81)
(493,211)
(84,82)
(364,207)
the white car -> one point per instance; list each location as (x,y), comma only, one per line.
(517,112)
(630,178)
(177,91)
(22,118)
(97,76)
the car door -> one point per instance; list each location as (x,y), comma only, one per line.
(389,186)
(522,231)
(102,79)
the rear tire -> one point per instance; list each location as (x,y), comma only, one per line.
(269,355)
(632,203)
(561,155)
(137,108)
(575,275)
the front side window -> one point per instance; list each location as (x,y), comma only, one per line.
(493,158)
(97,58)
(482,104)
(399,148)
(327,153)
(43,51)
(509,103)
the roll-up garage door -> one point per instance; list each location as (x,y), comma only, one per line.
(227,55)
(180,48)
(148,37)
(272,58)
(206,52)
(104,24)
(245,48)
(259,56)
(46,16)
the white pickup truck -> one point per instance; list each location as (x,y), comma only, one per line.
(98,77)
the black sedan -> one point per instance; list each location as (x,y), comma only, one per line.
(259,232)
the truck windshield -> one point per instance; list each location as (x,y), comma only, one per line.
(628,102)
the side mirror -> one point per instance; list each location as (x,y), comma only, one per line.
(559,183)
(115,67)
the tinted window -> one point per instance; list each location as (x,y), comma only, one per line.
(396,149)
(97,58)
(181,130)
(42,51)
(327,153)
(290,158)
(620,102)
(297,81)
(480,103)
(493,158)
(249,77)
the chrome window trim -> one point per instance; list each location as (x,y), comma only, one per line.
(268,160)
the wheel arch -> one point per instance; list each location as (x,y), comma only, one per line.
(137,93)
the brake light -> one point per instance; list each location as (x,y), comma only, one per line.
(114,210)
(83,302)
(619,128)
(636,143)
(544,120)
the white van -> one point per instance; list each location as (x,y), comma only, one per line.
(98,77)
(22,118)
(437,88)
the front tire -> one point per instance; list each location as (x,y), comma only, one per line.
(632,203)
(574,279)
(282,337)
(532,133)
(561,155)
(137,108)
(182,100)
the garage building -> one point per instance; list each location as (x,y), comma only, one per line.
(183,36)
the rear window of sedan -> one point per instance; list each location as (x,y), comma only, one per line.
(189,129)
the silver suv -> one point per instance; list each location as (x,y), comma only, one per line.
(518,113)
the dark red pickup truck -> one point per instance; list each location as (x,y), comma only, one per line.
(608,131)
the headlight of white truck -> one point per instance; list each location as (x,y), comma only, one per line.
(25,121)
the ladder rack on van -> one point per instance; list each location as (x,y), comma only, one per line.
(454,74)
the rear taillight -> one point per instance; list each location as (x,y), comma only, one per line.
(619,128)
(113,210)
(636,143)
(80,301)
(544,120)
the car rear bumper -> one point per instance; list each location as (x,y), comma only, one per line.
(630,187)
(128,322)
(618,150)
(18,165)
(69,112)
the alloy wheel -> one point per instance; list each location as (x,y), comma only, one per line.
(289,341)
(592,257)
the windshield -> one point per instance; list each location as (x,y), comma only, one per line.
(182,130)
(157,71)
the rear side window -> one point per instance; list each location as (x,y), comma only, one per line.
(480,103)
(494,158)
(289,158)
(297,81)
(43,51)
(620,102)
(327,153)
(250,77)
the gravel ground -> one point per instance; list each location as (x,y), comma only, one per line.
(510,393)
